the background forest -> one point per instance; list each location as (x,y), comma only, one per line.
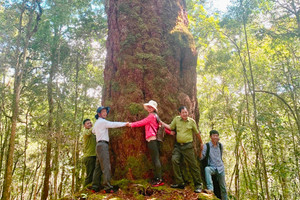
(52,56)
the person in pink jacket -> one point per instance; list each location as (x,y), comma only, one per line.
(151,123)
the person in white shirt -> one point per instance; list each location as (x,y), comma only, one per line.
(100,129)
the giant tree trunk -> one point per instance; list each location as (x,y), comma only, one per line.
(150,55)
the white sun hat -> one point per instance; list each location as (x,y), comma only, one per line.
(151,103)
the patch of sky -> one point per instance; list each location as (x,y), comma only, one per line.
(217,6)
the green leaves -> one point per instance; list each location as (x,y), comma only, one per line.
(224,93)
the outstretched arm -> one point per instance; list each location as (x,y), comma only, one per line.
(201,143)
(165,125)
(203,151)
(109,124)
(142,122)
(87,132)
(199,137)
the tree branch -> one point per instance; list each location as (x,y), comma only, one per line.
(279,97)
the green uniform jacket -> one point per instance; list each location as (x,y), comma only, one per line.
(89,143)
(184,129)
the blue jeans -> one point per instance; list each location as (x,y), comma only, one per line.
(209,171)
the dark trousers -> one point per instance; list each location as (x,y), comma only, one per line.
(186,152)
(97,176)
(90,163)
(102,150)
(153,147)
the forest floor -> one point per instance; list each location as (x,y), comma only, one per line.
(140,190)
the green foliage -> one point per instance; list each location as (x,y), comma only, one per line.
(224,92)
(62,40)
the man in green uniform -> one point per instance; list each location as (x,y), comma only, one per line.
(89,154)
(183,148)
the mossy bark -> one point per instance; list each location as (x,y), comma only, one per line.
(150,55)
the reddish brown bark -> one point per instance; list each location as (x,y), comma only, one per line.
(150,55)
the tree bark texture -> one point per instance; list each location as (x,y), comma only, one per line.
(150,55)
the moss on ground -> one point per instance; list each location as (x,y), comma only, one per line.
(134,165)
(204,196)
(141,190)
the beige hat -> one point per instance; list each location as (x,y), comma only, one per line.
(151,103)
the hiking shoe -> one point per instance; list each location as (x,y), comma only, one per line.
(115,188)
(111,190)
(94,189)
(108,191)
(89,187)
(158,183)
(198,189)
(179,186)
(208,191)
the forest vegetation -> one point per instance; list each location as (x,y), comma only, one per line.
(52,62)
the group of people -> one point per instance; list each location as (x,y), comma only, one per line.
(96,150)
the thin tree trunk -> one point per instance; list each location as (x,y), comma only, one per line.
(38,188)
(47,170)
(29,182)
(38,170)
(256,128)
(294,96)
(73,170)
(75,177)
(45,190)
(245,174)
(283,179)
(231,178)
(20,65)
(15,110)
(56,167)
(3,133)
(295,149)
(258,172)
(250,182)
(261,154)
(237,158)
(25,154)
(60,188)
(53,67)
(248,85)
(4,145)
(236,151)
